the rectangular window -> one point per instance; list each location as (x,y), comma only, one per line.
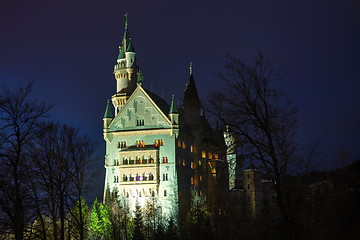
(216,156)
(165,193)
(203,154)
(184,162)
(192,180)
(199,162)
(200,178)
(192,165)
(191,148)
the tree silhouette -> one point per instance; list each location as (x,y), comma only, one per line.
(253,107)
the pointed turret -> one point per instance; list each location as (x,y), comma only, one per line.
(173,108)
(192,102)
(121,54)
(108,116)
(191,95)
(174,117)
(130,47)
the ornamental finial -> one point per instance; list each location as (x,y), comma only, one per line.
(126,19)
(190,68)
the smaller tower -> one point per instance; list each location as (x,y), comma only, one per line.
(108,116)
(231,155)
(251,181)
(174,118)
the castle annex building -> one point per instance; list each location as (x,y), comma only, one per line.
(156,149)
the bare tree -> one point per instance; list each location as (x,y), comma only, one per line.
(19,126)
(60,158)
(254,108)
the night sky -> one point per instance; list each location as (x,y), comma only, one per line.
(69,48)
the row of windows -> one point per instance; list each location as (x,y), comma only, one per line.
(191,163)
(140,193)
(159,142)
(141,177)
(141,143)
(140,122)
(122,144)
(210,155)
(165,177)
(138,177)
(138,161)
(192,180)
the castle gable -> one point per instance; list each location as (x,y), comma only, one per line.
(140,112)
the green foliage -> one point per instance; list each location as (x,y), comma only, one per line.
(100,226)
(79,220)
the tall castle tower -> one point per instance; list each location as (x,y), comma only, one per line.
(127,73)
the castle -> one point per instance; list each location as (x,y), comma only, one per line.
(156,149)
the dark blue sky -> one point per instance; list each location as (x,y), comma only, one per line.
(69,48)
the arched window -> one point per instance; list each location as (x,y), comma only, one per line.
(151,176)
(125,177)
(144,177)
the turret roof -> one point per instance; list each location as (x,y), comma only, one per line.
(108,112)
(130,47)
(121,53)
(191,95)
(251,166)
(126,42)
(173,108)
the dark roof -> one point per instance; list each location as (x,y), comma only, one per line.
(191,95)
(251,166)
(160,102)
(128,90)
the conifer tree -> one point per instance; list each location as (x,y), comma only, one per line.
(100,224)
(138,223)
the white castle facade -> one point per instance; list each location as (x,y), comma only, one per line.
(160,150)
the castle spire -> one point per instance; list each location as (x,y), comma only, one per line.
(108,112)
(126,20)
(191,95)
(173,108)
